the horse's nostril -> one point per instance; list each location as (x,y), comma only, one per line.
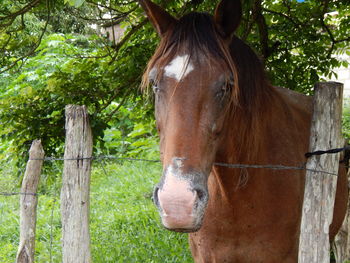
(155,196)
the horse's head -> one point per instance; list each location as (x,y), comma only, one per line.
(195,84)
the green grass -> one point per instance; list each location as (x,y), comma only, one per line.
(124,223)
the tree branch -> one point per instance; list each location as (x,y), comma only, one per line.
(22,11)
(125,97)
(127,37)
(247,24)
(282,15)
(109,7)
(14,63)
(262,26)
(325,27)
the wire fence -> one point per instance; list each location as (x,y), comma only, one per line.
(55,199)
(102,158)
(301,167)
(51,224)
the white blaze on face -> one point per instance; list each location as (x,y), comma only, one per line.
(179,67)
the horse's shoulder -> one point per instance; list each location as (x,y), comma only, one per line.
(295,99)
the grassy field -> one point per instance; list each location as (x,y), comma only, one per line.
(124,222)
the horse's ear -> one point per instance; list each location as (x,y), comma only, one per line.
(160,19)
(227,16)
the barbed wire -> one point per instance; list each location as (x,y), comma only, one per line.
(227,165)
(17,193)
(99,157)
(307,155)
(273,167)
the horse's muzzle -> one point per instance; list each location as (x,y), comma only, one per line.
(181,202)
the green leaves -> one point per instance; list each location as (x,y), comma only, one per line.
(302,40)
(76,63)
(75,3)
(32,105)
(73,69)
(346,119)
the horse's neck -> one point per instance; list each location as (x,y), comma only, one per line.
(243,144)
(277,135)
(245,132)
(281,120)
(270,126)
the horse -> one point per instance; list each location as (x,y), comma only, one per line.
(214,104)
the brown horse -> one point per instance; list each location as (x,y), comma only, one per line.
(214,104)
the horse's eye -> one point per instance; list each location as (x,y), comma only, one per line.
(224,90)
(224,87)
(155,88)
(154,85)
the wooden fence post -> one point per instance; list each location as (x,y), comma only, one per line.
(341,244)
(320,187)
(76,186)
(28,203)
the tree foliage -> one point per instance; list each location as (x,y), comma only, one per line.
(53,53)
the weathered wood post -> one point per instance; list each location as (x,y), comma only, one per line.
(75,199)
(341,244)
(29,202)
(320,187)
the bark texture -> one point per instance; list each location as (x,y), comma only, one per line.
(28,203)
(76,186)
(320,187)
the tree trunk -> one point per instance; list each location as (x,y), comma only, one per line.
(28,203)
(320,187)
(76,186)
